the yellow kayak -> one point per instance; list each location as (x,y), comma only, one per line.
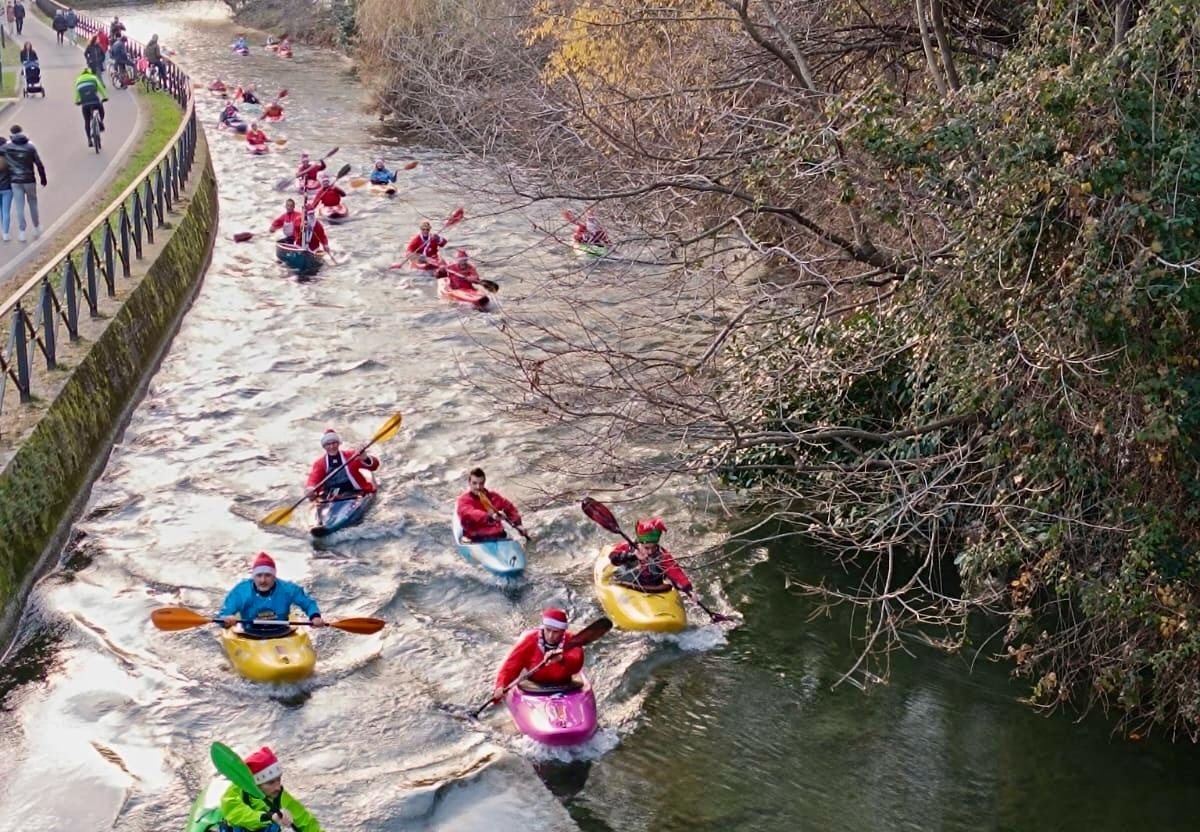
(287,659)
(632,609)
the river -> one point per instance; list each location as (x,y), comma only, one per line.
(105,721)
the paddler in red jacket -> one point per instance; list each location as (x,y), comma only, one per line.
(256,137)
(589,231)
(650,566)
(424,247)
(536,645)
(462,274)
(350,468)
(317,239)
(290,221)
(480,510)
(308,173)
(330,194)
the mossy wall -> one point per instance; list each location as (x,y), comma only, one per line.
(47,482)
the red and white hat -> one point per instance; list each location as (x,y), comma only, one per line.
(554,618)
(264,765)
(330,435)
(264,564)
(461,254)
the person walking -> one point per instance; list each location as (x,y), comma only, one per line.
(93,54)
(10,16)
(59,25)
(5,193)
(19,15)
(72,22)
(23,160)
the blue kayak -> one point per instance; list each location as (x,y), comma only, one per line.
(331,515)
(300,260)
(504,558)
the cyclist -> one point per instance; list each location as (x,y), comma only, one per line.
(90,94)
(121,63)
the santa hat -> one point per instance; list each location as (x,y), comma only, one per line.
(461,254)
(650,531)
(554,618)
(264,564)
(330,435)
(264,765)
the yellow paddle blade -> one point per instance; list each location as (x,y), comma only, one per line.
(357,183)
(361,626)
(487,502)
(389,428)
(177,618)
(278,516)
(281,142)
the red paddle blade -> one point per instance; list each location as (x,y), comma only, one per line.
(242,236)
(599,514)
(568,216)
(410,165)
(589,633)
(281,94)
(456,217)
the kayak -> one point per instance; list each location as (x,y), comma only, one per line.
(258,149)
(335,214)
(554,714)
(430,264)
(300,260)
(289,658)
(504,558)
(633,609)
(273,117)
(471,297)
(206,810)
(590,250)
(383,190)
(330,516)
(243,51)
(236,126)
(283,53)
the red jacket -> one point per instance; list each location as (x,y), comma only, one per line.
(598,238)
(316,237)
(102,39)
(527,652)
(355,465)
(256,137)
(473,515)
(426,245)
(293,218)
(314,172)
(462,277)
(331,196)
(658,570)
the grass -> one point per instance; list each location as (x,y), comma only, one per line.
(10,54)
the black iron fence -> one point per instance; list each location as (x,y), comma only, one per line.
(49,305)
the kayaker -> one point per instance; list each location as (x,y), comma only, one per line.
(649,566)
(239,45)
(217,86)
(263,596)
(537,645)
(308,173)
(256,137)
(330,194)
(588,230)
(247,95)
(380,175)
(280,810)
(273,110)
(290,221)
(230,118)
(462,274)
(349,476)
(426,244)
(479,522)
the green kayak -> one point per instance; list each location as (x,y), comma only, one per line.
(590,250)
(206,811)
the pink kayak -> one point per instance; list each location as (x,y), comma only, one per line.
(471,297)
(554,715)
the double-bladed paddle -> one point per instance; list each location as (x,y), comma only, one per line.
(600,514)
(491,509)
(173,619)
(234,769)
(456,216)
(284,184)
(247,236)
(360,181)
(583,638)
(279,516)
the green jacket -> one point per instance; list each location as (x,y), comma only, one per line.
(89,89)
(241,810)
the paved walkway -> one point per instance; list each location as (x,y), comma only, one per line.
(74,172)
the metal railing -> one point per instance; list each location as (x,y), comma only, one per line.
(54,298)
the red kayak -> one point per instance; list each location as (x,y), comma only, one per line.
(336,213)
(257,149)
(471,297)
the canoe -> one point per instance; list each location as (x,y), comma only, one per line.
(471,297)
(298,259)
(504,558)
(559,715)
(289,658)
(632,609)
(590,250)
(206,810)
(335,515)
(334,214)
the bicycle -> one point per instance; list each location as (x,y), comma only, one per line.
(94,129)
(150,80)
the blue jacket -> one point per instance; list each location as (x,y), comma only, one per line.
(382,177)
(249,604)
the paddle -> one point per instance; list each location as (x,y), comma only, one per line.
(284,184)
(173,619)
(234,769)
(583,638)
(491,509)
(456,216)
(600,514)
(387,430)
(247,236)
(359,181)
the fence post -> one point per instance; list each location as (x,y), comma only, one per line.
(49,324)
(93,288)
(20,344)
(71,295)
(148,212)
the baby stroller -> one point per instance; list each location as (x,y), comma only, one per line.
(31,79)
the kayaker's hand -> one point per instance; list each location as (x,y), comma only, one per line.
(284,818)
(493,517)
(229,621)
(554,655)
(318,622)
(497,694)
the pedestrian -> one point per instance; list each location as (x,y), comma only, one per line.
(93,54)
(5,193)
(59,25)
(23,159)
(19,15)
(10,16)
(72,21)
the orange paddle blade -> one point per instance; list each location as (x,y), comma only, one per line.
(361,626)
(456,217)
(357,183)
(411,165)
(178,618)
